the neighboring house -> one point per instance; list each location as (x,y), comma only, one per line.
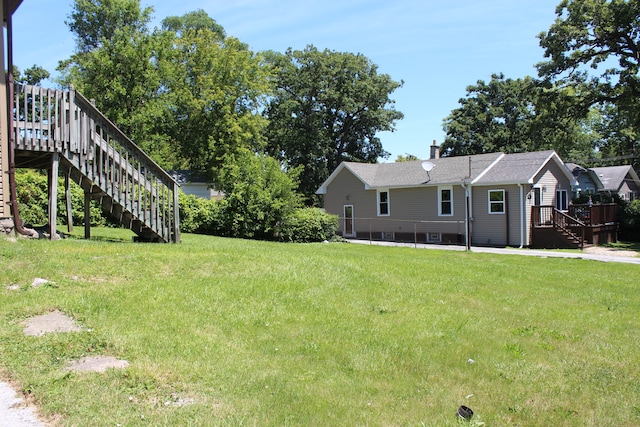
(587,181)
(622,180)
(195,184)
(484,199)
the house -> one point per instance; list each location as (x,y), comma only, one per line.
(587,181)
(491,199)
(195,184)
(621,180)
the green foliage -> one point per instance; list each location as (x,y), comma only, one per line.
(258,195)
(308,225)
(516,116)
(630,222)
(328,107)
(593,45)
(242,331)
(214,90)
(33,204)
(95,23)
(198,215)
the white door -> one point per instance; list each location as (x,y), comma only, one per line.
(348,230)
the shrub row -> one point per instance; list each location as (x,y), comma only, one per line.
(202,216)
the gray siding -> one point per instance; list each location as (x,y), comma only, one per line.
(550,180)
(412,210)
(491,229)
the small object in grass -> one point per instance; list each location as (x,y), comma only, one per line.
(471,361)
(465,412)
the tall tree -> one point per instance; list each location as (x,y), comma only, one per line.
(95,21)
(514,115)
(328,107)
(116,62)
(215,86)
(595,45)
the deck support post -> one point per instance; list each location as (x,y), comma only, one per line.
(87,215)
(67,193)
(53,195)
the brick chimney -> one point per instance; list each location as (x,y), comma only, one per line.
(435,151)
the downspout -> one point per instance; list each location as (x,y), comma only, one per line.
(522,206)
(17,223)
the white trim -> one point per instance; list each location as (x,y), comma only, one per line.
(388,202)
(353,225)
(440,189)
(488,168)
(504,207)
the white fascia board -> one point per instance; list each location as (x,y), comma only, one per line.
(488,168)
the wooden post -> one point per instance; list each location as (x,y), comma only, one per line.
(67,192)
(87,215)
(53,195)
(176,215)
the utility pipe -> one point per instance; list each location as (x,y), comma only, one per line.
(522,208)
(17,223)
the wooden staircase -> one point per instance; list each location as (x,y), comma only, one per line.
(64,132)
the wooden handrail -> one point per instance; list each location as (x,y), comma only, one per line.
(67,123)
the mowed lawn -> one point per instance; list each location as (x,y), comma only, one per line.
(229,332)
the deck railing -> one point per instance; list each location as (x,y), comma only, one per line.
(65,122)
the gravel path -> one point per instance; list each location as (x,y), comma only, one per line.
(13,409)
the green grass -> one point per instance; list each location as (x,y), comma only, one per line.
(266,334)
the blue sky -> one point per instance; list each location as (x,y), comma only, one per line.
(437,48)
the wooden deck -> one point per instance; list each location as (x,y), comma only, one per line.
(580,225)
(63,132)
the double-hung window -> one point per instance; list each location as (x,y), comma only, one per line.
(496,202)
(383,203)
(445,201)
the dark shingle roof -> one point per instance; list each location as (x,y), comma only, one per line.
(516,168)
(612,177)
(446,170)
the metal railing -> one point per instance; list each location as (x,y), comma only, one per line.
(406,231)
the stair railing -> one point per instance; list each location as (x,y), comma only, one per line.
(66,122)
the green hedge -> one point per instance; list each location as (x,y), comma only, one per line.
(33,200)
(202,216)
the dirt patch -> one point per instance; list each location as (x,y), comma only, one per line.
(97,364)
(601,250)
(55,321)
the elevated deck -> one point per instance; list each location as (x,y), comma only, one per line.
(63,132)
(580,225)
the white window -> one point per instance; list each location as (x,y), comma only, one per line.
(562,201)
(496,202)
(445,201)
(383,203)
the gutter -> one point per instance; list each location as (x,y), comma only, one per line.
(522,203)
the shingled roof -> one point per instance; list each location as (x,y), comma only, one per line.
(612,177)
(480,169)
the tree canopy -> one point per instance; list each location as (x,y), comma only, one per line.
(328,107)
(594,46)
(514,115)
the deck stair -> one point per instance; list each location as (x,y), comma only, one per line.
(64,132)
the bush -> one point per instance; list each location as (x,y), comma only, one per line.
(630,222)
(198,215)
(308,225)
(33,200)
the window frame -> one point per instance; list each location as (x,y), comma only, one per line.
(562,196)
(379,203)
(491,203)
(440,200)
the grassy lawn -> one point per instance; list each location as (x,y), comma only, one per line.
(243,333)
